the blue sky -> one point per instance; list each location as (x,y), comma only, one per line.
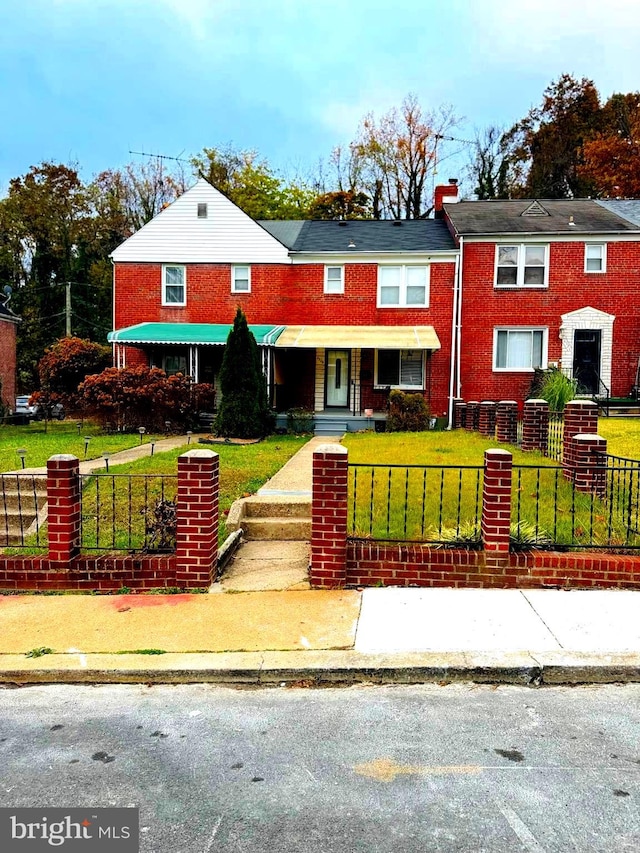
(85,81)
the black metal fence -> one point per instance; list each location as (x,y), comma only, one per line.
(23,499)
(547,511)
(415,503)
(123,512)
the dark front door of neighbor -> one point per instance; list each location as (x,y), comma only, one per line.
(586,360)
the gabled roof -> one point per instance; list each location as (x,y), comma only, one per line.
(224,234)
(536,216)
(628,208)
(366,235)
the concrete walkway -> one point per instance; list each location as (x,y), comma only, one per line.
(121,457)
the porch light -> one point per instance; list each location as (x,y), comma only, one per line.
(87,439)
(106,456)
(351,245)
(21,453)
(142,431)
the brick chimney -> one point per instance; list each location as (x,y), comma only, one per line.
(444,193)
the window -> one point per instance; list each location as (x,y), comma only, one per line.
(403,286)
(400,368)
(334,279)
(172,364)
(241,279)
(595,257)
(519,349)
(521,266)
(202,210)
(174,290)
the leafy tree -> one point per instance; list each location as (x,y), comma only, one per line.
(398,154)
(252,184)
(611,158)
(66,364)
(545,146)
(243,411)
(341,205)
(490,166)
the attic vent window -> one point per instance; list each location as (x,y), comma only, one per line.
(202,210)
(535,209)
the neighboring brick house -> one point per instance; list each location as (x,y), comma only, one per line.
(342,310)
(8,326)
(547,283)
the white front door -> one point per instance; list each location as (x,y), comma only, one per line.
(338,377)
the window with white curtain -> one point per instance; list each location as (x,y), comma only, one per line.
(174,285)
(403,286)
(519,349)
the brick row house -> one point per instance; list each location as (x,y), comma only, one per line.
(342,311)
(547,283)
(463,305)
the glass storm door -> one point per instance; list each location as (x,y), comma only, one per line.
(338,377)
(586,360)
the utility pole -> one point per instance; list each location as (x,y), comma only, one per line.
(67,308)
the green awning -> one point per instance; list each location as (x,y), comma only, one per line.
(212,334)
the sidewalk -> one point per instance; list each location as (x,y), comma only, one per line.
(321,637)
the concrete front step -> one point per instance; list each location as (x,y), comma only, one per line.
(267,506)
(332,428)
(273,529)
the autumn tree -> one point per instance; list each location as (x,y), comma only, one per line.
(610,160)
(397,157)
(252,184)
(66,364)
(545,147)
(490,168)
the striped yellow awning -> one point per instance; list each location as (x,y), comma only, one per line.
(359,337)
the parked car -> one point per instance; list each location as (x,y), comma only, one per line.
(35,412)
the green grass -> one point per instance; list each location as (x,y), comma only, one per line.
(60,437)
(623,436)
(243,469)
(418,504)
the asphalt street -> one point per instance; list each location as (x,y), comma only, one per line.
(456,767)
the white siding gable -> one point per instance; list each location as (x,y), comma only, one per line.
(226,235)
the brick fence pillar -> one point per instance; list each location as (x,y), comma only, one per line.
(590,472)
(328,567)
(535,425)
(507,421)
(496,506)
(473,415)
(63,508)
(487,418)
(580,418)
(197,517)
(459,414)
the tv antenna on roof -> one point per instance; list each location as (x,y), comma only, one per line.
(159,156)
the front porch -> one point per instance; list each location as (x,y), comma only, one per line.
(338,421)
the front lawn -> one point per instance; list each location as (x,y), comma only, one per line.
(243,469)
(60,437)
(623,436)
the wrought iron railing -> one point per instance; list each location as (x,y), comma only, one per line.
(128,512)
(415,503)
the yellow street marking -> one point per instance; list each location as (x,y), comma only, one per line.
(386,770)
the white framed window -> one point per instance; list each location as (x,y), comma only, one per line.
(400,368)
(522,265)
(519,349)
(333,279)
(241,279)
(174,284)
(595,257)
(403,286)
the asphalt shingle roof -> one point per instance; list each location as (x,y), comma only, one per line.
(505,217)
(368,235)
(628,208)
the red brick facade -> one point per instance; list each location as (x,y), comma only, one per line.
(8,362)
(486,307)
